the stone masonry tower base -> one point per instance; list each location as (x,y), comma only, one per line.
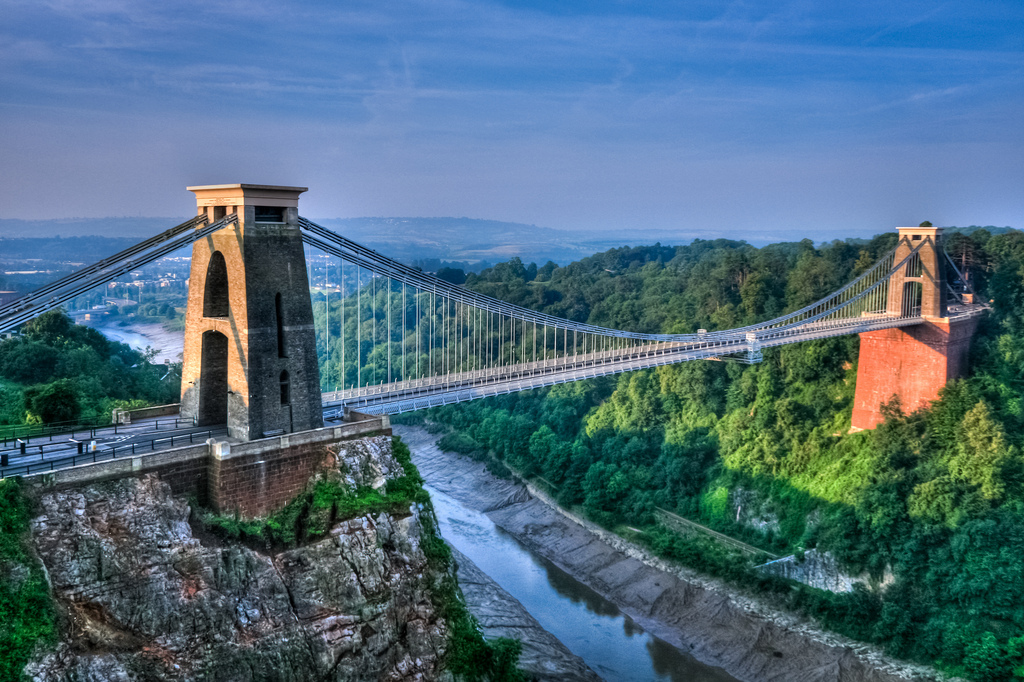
(912,363)
(250,352)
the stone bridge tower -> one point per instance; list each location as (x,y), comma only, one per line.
(912,363)
(250,352)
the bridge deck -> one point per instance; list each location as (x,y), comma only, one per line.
(467,328)
(411,395)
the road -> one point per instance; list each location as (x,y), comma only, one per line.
(57,451)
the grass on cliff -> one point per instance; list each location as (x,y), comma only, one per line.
(26,609)
(310,515)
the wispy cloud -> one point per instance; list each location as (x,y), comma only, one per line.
(566,117)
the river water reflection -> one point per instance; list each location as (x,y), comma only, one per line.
(592,627)
(126,335)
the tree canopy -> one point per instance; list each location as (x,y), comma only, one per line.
(931,504)
(59,371)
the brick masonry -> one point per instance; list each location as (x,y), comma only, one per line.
(259,484)
(183,468)
(912,363)
(253,478)
(189,478)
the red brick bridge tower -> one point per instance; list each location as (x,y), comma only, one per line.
(914,362)
(250,352)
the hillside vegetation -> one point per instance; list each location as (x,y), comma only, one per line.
(930,504)
(58,371)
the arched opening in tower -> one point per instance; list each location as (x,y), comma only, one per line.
(215,298)
(912,295)
(279,316)
(213,380)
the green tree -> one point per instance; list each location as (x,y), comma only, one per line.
(57,401)
(27,361)
(982,455)
(453,275)
(51,325)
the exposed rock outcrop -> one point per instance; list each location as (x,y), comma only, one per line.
(147,597)
(821,570)
(753,510)
(367,462)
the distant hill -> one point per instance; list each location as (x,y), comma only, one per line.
(85,250)
(471,239)
(82,227)
(974,228)
(408,239)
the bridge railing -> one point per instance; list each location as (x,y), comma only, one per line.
(470,385)
(14,433)
(372,261)
(397,403)
(106,452)
(44,438)
(57,293)
(733,341)
(27,432)
(865,295)
(554,364)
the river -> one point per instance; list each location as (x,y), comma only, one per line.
(574,578)
(167,344)
(592,627)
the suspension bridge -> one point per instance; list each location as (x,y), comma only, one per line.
(442,343)
(395,339)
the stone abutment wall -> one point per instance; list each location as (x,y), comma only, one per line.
(253,478)
(911,363)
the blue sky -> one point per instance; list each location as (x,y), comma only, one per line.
(753,119)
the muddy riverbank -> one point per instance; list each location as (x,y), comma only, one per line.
(518,593)
(168,345)
(716,625)
(501,615)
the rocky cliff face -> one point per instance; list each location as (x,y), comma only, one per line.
(145,596)
(821,570)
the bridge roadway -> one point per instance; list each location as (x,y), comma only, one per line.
(59,451)
(418,394)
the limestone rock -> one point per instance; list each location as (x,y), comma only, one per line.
(146,599)
(821,570)
(367,462)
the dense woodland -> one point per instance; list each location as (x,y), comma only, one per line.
(934,498)
(58,371)
(930,505)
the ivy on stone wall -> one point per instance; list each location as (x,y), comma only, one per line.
(311,514)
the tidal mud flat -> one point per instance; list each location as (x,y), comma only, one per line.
(168,345)
(716,624)
(501,615)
